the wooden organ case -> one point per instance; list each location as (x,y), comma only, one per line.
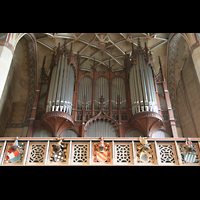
(101,102)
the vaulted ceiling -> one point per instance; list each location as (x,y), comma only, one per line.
(102,47)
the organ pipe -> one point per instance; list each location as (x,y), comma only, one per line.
(85,91)
(61,88)
(143,96)
(118,88)
(101,128)
(102,88)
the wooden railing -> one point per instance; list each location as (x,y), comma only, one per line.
(85,151)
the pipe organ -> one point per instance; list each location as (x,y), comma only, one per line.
(104,103)
(61,88)
(143,95)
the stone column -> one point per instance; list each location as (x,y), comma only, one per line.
(6,55)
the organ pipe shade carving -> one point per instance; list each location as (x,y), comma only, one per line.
(142,90)
(101,88)
(85,91)
(61,88)
(101,128)
(118,88)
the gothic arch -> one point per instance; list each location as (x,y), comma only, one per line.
(29,74)
(14,38)
(175,64)
(102,117)
(101,127)
(171,62)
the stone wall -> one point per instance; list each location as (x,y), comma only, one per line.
(188,100)
(15,94)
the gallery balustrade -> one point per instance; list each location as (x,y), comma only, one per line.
(31,151)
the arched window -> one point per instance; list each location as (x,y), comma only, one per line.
(118,88)
(85,91)
(101,128)
(101,88)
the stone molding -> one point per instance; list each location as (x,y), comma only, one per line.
(8,45)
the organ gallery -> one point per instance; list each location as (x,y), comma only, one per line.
(99,99)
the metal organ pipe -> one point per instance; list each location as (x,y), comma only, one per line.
(101,128)
(145,99)
(102,88)
(143,96)
(64,81)
(118,88)
(133,86)
(49,100)
(61,88)
(60,83)
(154,104)
(147,87)
(55,86)
(85,90)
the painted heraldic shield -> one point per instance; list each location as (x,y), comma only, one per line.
(189,157)
(144,157)
(14,155)
(58,156)
(102,156)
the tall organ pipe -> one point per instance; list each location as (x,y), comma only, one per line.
(52,82)
(118,88)
(64,82)
(85,90)
(144,83)
(55,86)
(102,88)
(143,96)
(61,88)
(60,83)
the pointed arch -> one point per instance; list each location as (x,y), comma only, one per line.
(14,38)
(171,63)
(101,128)
(102,116)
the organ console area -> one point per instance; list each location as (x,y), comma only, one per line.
(73,102)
